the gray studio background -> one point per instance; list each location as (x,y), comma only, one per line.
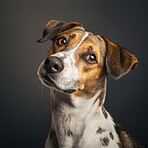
(25,103)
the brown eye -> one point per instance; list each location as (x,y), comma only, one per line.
(91,58)
(61,41)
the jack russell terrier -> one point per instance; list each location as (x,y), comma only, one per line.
(75,70)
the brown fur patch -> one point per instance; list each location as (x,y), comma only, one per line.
(111,135)
(104,141)
(101,96)
(51,133)
(100,130)
(104,112)
(68,26)
(125,139)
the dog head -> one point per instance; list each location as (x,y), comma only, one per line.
(79,61)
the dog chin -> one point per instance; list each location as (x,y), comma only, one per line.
(46,81)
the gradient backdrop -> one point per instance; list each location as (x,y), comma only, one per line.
(24,102)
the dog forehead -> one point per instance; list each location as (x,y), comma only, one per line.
(77,29)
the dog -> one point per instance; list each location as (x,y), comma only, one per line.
(75,71)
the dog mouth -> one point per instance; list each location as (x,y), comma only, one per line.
(49,83)
(70,91)
(46,80)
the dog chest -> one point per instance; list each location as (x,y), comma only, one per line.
(95,132)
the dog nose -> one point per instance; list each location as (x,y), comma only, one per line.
(53,65)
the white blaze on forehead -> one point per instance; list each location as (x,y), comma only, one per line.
(83,38)
(68,78)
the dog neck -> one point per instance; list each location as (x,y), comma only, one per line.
(83,106)
(75,116)
(79,107)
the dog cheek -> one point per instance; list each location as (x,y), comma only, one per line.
(91,79)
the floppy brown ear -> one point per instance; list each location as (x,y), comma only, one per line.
(53,27)
(50,29)
(119,61)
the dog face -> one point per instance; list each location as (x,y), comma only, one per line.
(79,61)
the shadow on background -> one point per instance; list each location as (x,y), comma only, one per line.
(25,104)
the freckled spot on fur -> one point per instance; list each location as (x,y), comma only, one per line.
(111,135)
(104,141)
(104,112)
(69,133)
(100,130)
(51,133)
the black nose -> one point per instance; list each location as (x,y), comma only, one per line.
(53,65)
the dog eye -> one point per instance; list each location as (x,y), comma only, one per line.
(91,58)
(61,41)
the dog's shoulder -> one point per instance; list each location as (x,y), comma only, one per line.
(127,140)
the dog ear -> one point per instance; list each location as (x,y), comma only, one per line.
(53,27)
(50,29)
(119,61)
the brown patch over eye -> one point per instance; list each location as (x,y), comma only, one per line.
(90,57)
